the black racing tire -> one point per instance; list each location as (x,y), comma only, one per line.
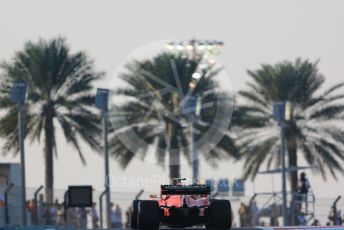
(134,213)
(220,215)
(148,215)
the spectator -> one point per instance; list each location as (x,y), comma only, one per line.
(33,211)
(60,216)
(72,217)
(301,219)
(274,213)
(128,216)
(331,216)
(94,216)
(243,213)
(53,212)
(116,217)
(262,223)
(82,214)
(316,222)
(40,207)
(304,189)
(254,214)
(338,218)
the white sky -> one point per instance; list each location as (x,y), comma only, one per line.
(254,32)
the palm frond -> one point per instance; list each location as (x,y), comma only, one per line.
(154,92)
(315,117)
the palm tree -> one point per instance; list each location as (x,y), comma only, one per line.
(60,85)
(314,131)
(152,114)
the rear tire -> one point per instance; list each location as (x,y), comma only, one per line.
(220,215)
(148,215)
(134,213)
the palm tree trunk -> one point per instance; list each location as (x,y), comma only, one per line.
(174,152)
(292,162)
(174,168)
(49,159)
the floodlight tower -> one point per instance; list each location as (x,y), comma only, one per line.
(203,50)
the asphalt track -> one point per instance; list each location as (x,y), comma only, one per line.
(266,228)
(197,228)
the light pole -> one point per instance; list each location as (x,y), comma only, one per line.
(18,96)
(192,109)
(194,104)
(102,100)
(281,113)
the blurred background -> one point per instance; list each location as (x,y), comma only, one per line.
(109,32)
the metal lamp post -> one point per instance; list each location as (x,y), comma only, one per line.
(195,155)
(18,96)
(281,113)
(102,100)
(192,105)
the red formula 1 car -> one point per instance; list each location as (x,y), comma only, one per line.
(182,206)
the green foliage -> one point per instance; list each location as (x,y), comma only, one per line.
(60,88)
(153,102)
(60,85)
(315,131)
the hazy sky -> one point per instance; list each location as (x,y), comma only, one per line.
(254,32)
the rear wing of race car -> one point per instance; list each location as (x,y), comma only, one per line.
(185,190)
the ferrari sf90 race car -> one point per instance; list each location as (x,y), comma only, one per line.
(182,206)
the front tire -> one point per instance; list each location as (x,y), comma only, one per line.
(220,215)
(148,215)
